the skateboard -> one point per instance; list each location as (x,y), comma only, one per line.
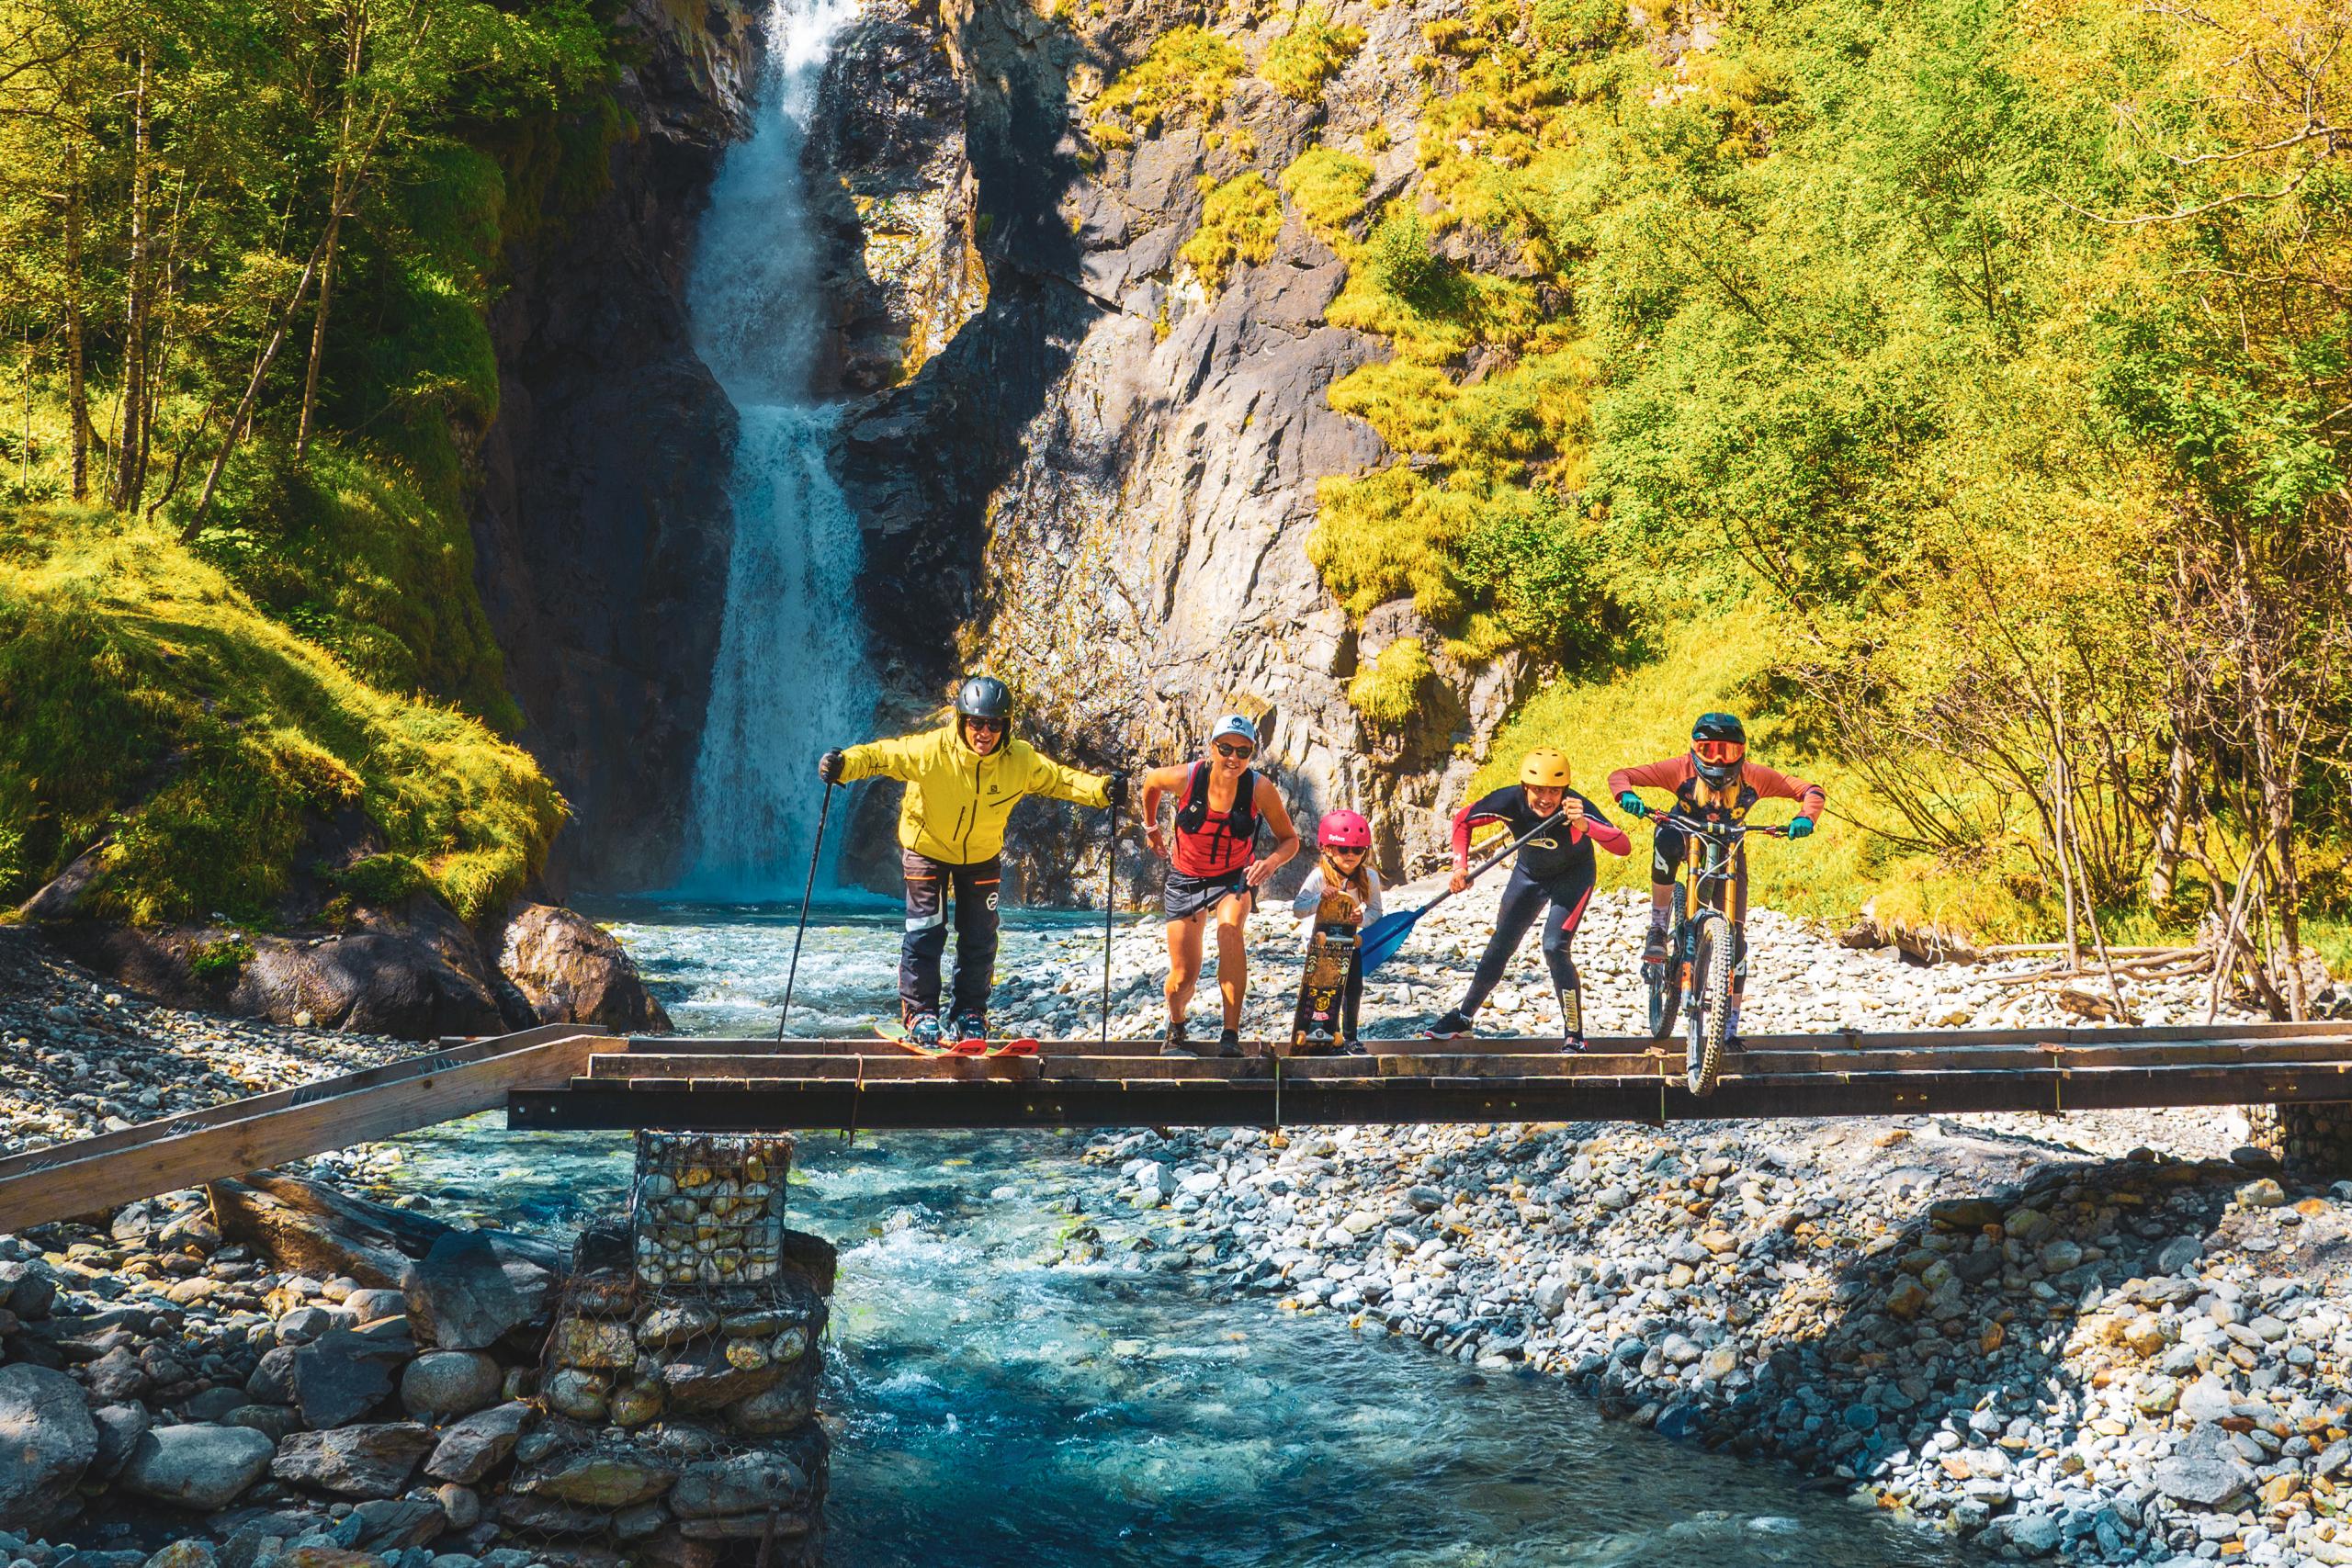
(1316,1025)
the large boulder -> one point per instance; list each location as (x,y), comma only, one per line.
(199,1468)
(354,1461)
(342,1376)
(462,1297)
(472,1447)
(47,1441)
(573,972)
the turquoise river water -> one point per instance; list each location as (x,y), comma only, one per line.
(994,1408)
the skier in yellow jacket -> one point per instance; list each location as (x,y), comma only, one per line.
(963,780)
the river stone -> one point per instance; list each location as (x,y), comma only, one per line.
(459,1504)
(581,1395)
(530,1515)
(354,1461)
(739,1485)
(183,1554)
(117,1377)
(272,1382)
(593,1343)
(633,1404)
(2206,1399)
(787,1407)
(395,1524)
(702,1379)
(2263,1194)
(459,1295)
(272,1420)
(118,1428)
(442,1384)
(200,1468)
(26,1289)
(374,1306)
(470,1448)
(2206,1469)
(2181,1252)
(47,1441)
(342,1376)
(599,1481)
(677,1324)
(2036,1535)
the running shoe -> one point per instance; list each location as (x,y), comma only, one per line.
(1229,1042)
(1176,1043)
(1452,1026)
(1654,950)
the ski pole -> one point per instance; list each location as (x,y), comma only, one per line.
(1109,876)
(806,892)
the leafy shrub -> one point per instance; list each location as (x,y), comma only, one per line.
(221,960)
(382,880)
(1328,187)
(1238,222)
(1388,692)
(1403,260)
(1388,535)
(1310,54)
(1189,67)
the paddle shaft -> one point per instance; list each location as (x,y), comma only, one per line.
(807,891)
(1476,872)
(1110,884)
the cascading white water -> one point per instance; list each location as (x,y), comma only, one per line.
(791,677)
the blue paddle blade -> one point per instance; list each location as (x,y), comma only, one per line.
(1385,935)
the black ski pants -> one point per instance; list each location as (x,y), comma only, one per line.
(1523,899)
(929,884)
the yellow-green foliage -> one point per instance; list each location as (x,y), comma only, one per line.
(1310,54)
(1388,535)
(145,696)
(1718,658)
(1238,223)
(1328,187)
(1390,689)
(1189,67)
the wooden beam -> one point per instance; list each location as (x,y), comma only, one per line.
(94,1174)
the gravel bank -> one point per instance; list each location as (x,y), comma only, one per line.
(2112,1337)
(78,1056)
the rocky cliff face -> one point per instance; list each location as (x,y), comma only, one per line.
(602,526)
(1104,477)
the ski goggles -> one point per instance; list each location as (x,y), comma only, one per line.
(1719,751)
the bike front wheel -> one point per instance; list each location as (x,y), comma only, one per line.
(1710,1020)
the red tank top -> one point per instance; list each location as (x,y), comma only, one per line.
(1215,843)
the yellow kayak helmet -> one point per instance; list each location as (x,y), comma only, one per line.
(1545,766)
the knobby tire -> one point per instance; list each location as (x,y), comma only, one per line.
(1710,980)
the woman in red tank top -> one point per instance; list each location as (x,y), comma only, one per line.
(1214,868)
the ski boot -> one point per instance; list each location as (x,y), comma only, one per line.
(967,1034)
(922,1030)
(1572,1041)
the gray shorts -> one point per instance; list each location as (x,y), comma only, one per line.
(1183,897)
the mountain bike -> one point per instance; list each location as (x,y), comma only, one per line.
(1695,982)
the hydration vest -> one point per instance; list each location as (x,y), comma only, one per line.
(1215,847)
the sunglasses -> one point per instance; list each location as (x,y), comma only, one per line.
(1720,751)
(1344,855)
(984,724)
(1239,753)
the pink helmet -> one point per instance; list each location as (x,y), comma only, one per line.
(1344,830)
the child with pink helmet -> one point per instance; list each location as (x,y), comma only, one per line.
(1345,867)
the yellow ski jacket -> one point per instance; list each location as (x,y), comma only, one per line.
(957,800)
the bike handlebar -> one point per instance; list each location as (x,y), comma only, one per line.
(1705,828)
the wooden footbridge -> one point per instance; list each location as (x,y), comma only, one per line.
(559,1078)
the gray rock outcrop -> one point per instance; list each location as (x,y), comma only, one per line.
(47,1441)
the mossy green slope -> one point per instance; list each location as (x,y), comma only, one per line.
(146,700)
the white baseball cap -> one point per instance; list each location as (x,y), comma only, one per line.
(1234,724)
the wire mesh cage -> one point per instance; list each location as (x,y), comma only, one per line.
(679,1382)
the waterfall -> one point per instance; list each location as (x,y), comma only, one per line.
(791,677)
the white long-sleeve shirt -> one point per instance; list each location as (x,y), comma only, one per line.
(1310,894)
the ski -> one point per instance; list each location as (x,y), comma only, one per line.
(1023,1047)
(896,1034)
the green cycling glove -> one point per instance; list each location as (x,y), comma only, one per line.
(1632,804)
(1800,826)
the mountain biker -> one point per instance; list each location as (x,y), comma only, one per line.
(1214,868)
(1713,780)
(1554,868)
(1345,868)
(963,780)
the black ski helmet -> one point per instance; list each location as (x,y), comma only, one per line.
(984,696)
(1718,727)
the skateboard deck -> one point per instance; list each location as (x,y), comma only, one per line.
(1323,984)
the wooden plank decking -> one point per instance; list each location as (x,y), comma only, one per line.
(562,1077)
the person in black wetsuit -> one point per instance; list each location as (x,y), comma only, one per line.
(1554,869)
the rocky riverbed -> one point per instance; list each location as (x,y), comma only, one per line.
(2109,1337)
